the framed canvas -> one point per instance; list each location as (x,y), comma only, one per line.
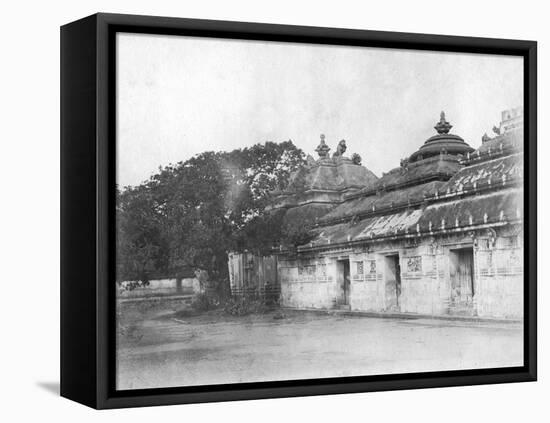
(257,211)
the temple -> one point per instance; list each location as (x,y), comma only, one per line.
(441,234)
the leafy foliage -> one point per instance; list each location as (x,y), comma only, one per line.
(234,306)
(140,244)
(189,215)
(204,302)
(243,306)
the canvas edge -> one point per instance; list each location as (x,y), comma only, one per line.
(78,312)
(105,24)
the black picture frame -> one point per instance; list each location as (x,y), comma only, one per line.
(87,209)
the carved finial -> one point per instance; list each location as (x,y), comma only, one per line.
(322,149)
(443,127)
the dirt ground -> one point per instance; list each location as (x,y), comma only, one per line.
(161,345)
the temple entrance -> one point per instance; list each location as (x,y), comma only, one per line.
(393,281)
(342,267)
(462,279)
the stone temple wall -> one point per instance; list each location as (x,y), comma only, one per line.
(500,275)
(308,283)
(429,276)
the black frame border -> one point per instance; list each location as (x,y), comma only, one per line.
(89,328)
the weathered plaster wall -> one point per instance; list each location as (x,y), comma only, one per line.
(374,289)
(424,288)
(426,282)
(367,283)
(308,283)
(500,275)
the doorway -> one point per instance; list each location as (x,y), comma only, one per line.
(462,276)
(342,267)
(393,281)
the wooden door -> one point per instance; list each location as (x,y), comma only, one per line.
(462,276)
(343,281)
(346,282)
(392,281)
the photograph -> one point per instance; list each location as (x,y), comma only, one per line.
(280,212)
(290,211)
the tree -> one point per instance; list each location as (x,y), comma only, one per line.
(139,245)
(254,172)
(195,226)
(192,213)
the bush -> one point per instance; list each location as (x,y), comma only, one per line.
(245,305)
(234,306)
(204,302)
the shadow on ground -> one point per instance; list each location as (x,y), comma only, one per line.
(51,387)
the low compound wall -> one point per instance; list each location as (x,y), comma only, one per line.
(161,287)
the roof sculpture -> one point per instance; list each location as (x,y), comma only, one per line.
(340,150)
(321,184)
(338,174)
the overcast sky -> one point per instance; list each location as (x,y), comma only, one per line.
(179,96)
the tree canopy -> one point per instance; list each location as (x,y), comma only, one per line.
(189,215)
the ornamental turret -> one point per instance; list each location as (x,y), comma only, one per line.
(322,149)
(442,143)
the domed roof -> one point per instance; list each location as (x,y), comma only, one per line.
(443,142)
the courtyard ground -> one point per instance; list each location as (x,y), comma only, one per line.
(160,344)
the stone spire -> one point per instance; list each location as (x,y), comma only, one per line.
(322,149)
(443,127)
(441,143)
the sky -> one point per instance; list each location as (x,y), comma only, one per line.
(179,96)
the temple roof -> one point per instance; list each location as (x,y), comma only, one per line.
(487,192)
(491,207)
(325,180)
(307,212)
(478,177)
(504,168)
(510,140)
(335,175)
(441,167)
(383,201)
(495,207)
(446,185)
(442,142)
